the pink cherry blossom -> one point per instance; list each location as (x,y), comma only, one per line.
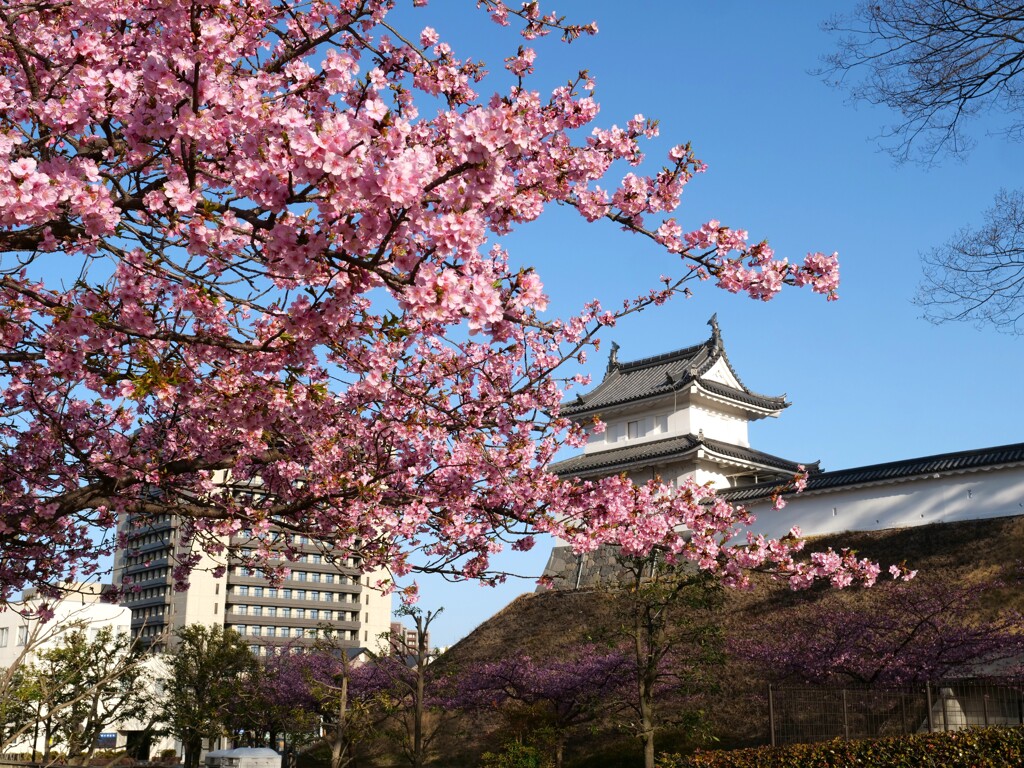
(271,261)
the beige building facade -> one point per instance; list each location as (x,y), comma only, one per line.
(319,592)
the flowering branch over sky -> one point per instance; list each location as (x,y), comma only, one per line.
(261,241)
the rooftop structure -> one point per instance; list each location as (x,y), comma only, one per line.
(683,414)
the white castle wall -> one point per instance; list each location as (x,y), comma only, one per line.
(932,499)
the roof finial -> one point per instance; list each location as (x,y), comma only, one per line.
(716,334)
(613,358)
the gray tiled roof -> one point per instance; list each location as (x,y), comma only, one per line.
(961,461)
(614,460)
(662,374)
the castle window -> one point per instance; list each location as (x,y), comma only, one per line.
(633,430)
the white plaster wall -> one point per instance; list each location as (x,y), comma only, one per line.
(654,425)
(681,422)
(713,475)
(663,423)
(969,496)
(720,372)
(719,426)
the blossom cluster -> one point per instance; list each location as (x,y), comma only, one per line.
(280,306)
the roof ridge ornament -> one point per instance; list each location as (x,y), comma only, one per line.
(716,333)
(613,358)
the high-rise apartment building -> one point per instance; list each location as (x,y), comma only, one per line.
(405,640)
(319,591)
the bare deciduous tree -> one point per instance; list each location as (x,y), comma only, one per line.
(978,274)
(938,64)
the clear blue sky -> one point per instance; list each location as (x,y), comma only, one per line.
(789,159)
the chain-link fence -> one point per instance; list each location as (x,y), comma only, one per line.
(802,714)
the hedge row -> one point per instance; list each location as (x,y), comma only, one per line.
(974,748)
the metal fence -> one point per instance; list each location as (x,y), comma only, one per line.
(806,714)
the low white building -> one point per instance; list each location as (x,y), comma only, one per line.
(22,638)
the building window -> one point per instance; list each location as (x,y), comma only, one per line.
(4,636)
(300,576)
(314,613)
(633,430)
(241,610)
(244,591)
(271,611)
(257,591)
(257,610)
(23,634)
(286,613)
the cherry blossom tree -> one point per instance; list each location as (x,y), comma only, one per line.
(278,699)
(915,632)
(674,640)
(561,695)
(252,276)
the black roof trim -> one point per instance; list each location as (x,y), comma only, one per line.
(613,460)
(767,402)
(665,357)
(959,461)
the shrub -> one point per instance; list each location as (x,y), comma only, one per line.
(972,748)
(513,754)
